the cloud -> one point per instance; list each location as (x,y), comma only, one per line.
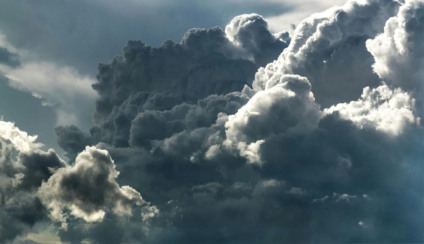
(19,139)
(250,32)
(88,189)
(8,58)
(38,186)
(286,106)
(380,108)
(23,167)
(207,62)
(329,49)
(72,140)
(60,87)
(316,135)
(398,51)
(317,148)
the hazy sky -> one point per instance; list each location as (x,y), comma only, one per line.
(228,121)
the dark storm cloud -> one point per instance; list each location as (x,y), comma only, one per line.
(220,159)
(267,163)
(208,61)
(8,58)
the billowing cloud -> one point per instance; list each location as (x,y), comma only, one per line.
(36,186)
(329,50)
(23,168)
(286,106)
(314,147)
(88,189)
(399,52)
(207,62)
(380,108)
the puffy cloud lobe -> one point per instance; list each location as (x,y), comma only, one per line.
(88,189)
(72,140)
(20,139)
(380,108)
(287,106)
(157,125)
(329,49)
(399,52)
(250,33)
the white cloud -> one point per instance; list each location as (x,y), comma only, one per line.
(285,106)
(59,86)
(301,10)
(19,139)
(399,51)
(383,109)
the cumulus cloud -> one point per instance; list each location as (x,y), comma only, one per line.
(316,135)
(19,139)
(314,147)
(36,186)
(22,169)
(206,62)
(250,33)
(88,189)
(329,50)
(286,106)
(399,52)
(380,108)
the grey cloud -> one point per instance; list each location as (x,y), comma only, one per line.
(38,166)
(9,58)
(88,189)
(20,175)
(158,125)
(72,140)
(206,62)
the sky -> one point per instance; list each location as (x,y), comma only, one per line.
(232,121)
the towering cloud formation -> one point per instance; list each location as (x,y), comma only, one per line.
(329,49)
(399,51)
(314,147)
